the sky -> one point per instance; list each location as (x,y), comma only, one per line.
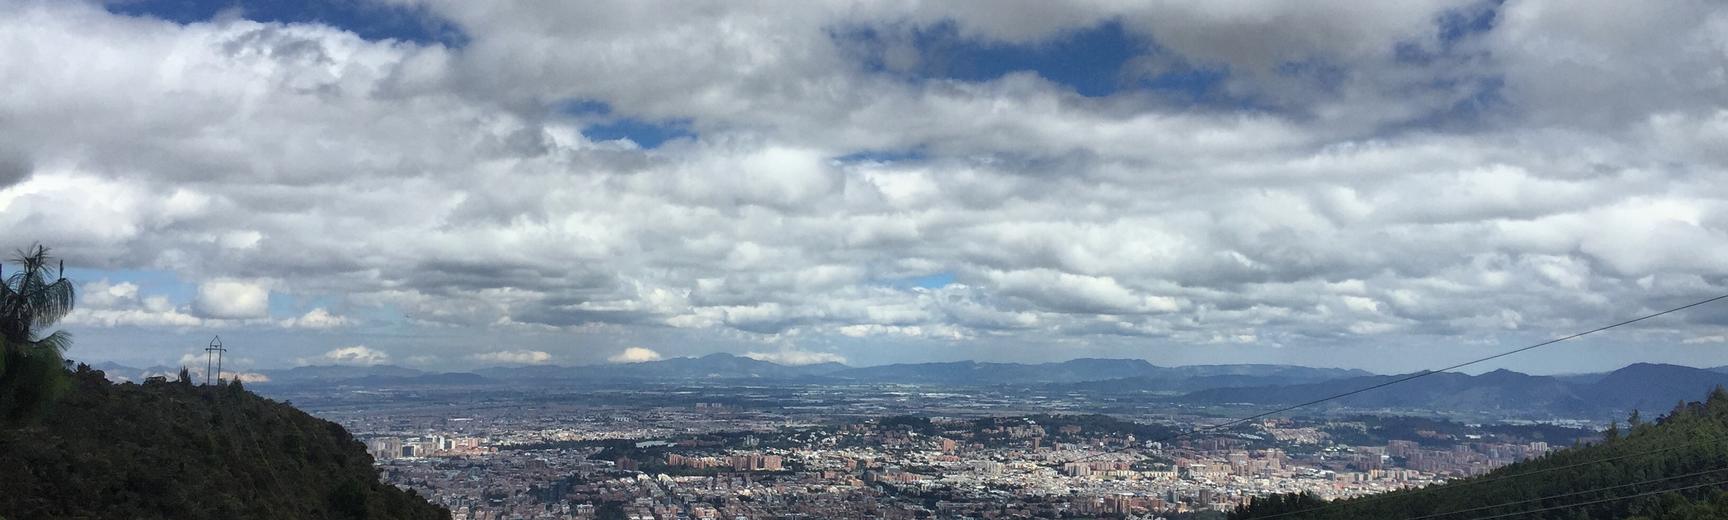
(448,184)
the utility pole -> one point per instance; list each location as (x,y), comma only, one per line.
(213,352)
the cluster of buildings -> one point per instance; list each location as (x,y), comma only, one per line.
(434,445)
(854,452)
(745,462)
(953,469)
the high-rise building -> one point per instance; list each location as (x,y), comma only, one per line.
(385,448)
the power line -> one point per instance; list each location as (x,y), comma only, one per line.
(1476,482)
(1403,379)
(1605,500)
(1569,494)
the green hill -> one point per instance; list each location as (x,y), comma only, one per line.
(171,450)
(1673,468)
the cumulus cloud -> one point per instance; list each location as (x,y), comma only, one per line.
(635,355)
(1704,340)
(513,357)
(1407,173)
(232,369)
(357,355)
(796,357)
(246,377)
(114,304)
(317,318)
(232,299)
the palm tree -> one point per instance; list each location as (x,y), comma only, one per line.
(32,369)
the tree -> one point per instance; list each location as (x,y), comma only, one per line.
(32,369)
(185,376)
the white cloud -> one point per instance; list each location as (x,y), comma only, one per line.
(195,363)
(1562,163)
(246,377)
(103,303)
(357,355)
(102,294)
(317,318)
(232,299)
(796,357)
(635,355)
(513,357)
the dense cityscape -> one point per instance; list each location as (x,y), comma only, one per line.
(499,456)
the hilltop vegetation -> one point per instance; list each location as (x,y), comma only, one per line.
(174,450)
(1626,475)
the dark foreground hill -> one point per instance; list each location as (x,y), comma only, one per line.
(1674,468)
(168,450)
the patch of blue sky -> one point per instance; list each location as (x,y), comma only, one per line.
(284,307)
(929,281)
(1192,83)
(370,19)
(1097,61)
(601,123)
(1452,27)
(1458,24)
(1090,61)
(648,135)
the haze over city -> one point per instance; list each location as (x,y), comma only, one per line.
(452,185)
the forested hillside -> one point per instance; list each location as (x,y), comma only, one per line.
(1672,468)
(173,450)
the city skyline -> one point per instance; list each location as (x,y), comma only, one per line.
(448,186)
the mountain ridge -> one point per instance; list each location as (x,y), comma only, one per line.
(1640,385)
(1644,386)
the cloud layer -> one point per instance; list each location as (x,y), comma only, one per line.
(1427,174)
(357,355)
(635,355)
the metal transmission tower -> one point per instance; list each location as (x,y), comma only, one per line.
(213,352)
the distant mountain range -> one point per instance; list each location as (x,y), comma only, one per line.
(731,368)
(709,367)
(1116,371)
(1642,386)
